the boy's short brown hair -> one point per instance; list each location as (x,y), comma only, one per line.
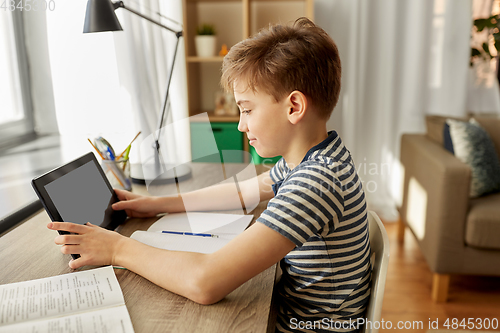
(282,59)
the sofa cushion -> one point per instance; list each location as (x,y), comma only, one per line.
(483,222)
(473,146)
(492,126)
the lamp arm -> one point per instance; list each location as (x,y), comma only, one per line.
(165,102)
(120,4)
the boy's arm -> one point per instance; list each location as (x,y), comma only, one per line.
(203,278)
(265,186)
(217,197)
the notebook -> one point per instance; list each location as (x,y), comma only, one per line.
(85,301)
(224,227)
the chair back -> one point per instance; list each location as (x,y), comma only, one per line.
(379,243)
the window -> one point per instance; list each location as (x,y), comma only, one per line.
(16,116)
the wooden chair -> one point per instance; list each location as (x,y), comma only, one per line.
(379,243)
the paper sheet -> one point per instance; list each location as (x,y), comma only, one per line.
(203,223)
(181,242)
(108,320)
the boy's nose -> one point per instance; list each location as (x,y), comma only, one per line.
(242,125)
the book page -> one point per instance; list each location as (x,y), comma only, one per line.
(115,319)
(180,242)
(203,223)
(59,295)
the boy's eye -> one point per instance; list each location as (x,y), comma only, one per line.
(245,111)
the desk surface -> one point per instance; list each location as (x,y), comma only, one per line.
(28,252)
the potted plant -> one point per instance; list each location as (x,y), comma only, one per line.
(484,74)
(492,26)
(205,41)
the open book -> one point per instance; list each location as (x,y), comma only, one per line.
(223,227)
(86,301)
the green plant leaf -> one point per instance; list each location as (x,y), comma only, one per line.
(480,24)
(490,23)
(486,49)
(496,37)
(474,52)
(497,45)
(206,30)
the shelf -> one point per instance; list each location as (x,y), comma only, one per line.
(217,119)
(204,59)
(235,20)
(223,119)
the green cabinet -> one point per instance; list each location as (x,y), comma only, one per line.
(257,159)
(228,139)
(229,142)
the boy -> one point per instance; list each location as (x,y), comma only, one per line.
(286,81)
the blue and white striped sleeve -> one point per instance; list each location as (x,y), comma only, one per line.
(277,171)
(305,204)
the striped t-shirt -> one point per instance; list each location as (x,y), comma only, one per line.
(320,206)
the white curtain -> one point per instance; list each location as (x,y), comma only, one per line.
(401,60)
(112,84)
(87,95)
(42,94)
(144,56)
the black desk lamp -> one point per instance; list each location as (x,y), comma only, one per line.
(100,17)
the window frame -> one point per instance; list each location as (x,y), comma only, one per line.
(23,128)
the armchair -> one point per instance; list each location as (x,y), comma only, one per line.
(456,234)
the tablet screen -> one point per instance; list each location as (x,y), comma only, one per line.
(79,192)
(81,195)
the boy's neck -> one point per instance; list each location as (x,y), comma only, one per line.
(302,142)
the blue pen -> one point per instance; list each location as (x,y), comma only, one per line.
(110,154)
(189,234)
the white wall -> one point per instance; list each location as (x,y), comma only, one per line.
(89,99)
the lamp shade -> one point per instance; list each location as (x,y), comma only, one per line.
(101,16)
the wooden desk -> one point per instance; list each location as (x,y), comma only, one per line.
(28,252)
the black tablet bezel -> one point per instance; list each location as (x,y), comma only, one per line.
(116,218)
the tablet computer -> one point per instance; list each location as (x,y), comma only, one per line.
(79,192)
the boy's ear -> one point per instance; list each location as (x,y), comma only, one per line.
(297,106)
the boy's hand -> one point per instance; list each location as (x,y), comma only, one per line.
(136,205)
(96,246)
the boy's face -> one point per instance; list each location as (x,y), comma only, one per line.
(263,120)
